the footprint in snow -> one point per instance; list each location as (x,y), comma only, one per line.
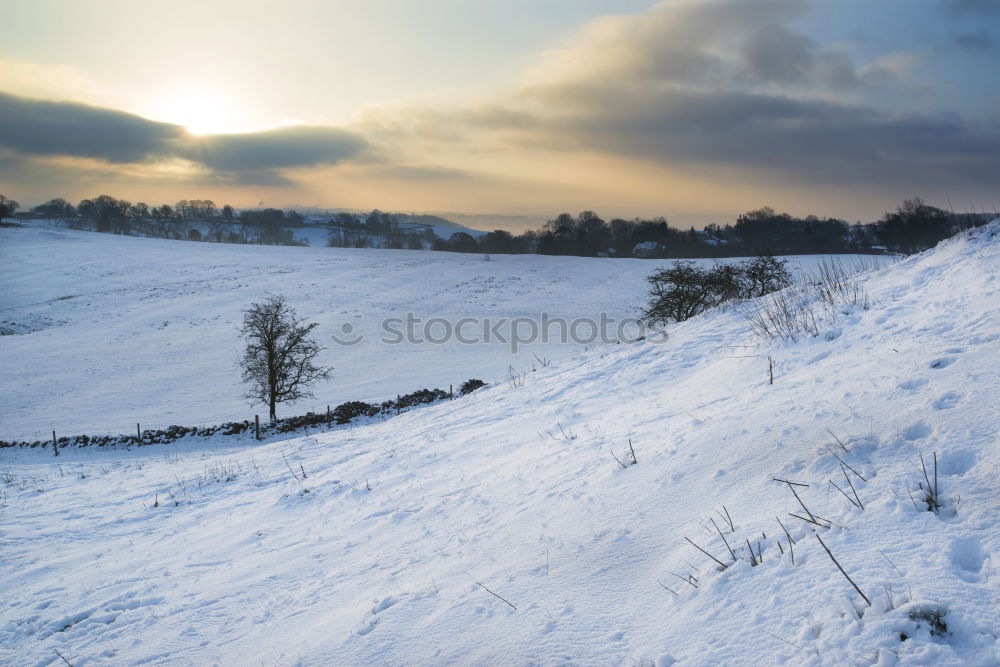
(371,619)
(385,604)
(913,385)
(947,401)
(942,362)
(957,462)
(367,626)
(917,431)
(968,557)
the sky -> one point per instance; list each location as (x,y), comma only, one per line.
(696,110)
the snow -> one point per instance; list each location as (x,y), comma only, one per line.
(387,551)
(126,330)
(316,233)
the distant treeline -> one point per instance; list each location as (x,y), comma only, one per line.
(189,219)
(911,227)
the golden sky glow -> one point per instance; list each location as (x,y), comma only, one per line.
(692,109)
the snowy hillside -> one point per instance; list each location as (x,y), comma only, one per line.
(498,528)
(118,330)
(316,232)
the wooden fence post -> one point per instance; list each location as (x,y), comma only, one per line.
(256,424)
(55,444)
(138,432)
(451,391)
(397,404)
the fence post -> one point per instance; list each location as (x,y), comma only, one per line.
(451,391)
(256,425)
(397,404)
(138,432)
(55,444)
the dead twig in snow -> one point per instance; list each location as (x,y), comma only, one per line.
(732,526)
(845,463)
(686,580)
(849,499)
(802,518)
(792,485)
(784,529)
(668,588)
(855,491)
(290,468)
(724,540)
(617,459)
(890,562)
(495,595)
(843,572)
(838,440)
(784,640)
(724,566)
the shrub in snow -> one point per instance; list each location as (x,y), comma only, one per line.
(345,412)
(816,301)
(680,292)
(419,397)
(684,290)
(928,616)
(763,275)
(470,386)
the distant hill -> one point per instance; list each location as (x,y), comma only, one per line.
(442,227)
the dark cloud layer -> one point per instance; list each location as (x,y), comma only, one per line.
(979,40)
(702,84)
(275,149)
(973,6)
(810,140)
(706,82)
(37,128)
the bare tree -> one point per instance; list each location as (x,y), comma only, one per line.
(279,361)
(7,207)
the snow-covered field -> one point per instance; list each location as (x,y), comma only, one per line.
(121,330)
(403,536)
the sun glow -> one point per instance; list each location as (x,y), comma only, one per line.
(200,108)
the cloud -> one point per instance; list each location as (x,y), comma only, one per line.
(776,54)
(708,95)
(975,41)
(274,149)
(697,84)
(890,69)
(418,173)
(39,127)
(973,6)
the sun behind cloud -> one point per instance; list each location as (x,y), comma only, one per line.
(200,108)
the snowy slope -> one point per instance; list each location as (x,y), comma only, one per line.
(374,557)
(119,330)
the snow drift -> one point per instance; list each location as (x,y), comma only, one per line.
(499,528)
